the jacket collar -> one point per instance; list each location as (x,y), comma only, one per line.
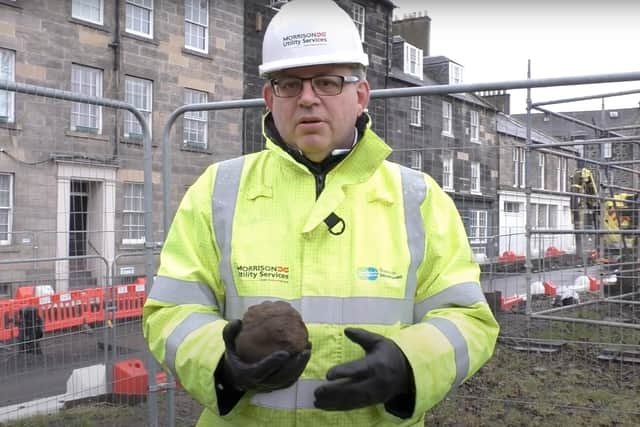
(359,163)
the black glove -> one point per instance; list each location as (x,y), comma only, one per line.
(278,370)
(382,376)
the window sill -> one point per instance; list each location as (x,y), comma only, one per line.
(86,135)
(415,125)
(197,53)
(447,134)
(89,24)
(475,141)
(10,248)
(136,142)
(476,193)
(10,125)
(17,4)
(194,149)
(448,189)
(137,37)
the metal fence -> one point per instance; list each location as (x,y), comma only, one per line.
(569,315)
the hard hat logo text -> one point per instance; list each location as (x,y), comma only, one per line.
(305,39)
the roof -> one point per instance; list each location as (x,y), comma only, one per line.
(508,125)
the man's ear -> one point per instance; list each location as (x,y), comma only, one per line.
(267,95)
(363,91)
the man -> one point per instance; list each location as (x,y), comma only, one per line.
(372,254)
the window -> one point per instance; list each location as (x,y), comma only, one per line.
(88,10)
(195,122)
(87,81)
(416,111)
(139,93)
(475,126)
(447,171)
(541,169)
(140,17)
(446,118)
(544,216)
(478,226)
(413,60)
(561,184)
(416,160)
(607,150)
(455,74)
(518,167)
(196,25)
(512,207)
(7,72)
(553,216)
(133,213)
(357,13)
(475,177)
(6,207)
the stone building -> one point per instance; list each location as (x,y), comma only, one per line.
(71,174)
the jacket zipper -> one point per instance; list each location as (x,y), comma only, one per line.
(319,183)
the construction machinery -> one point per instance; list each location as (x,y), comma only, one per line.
(618,253)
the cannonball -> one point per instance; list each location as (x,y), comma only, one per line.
(268,327)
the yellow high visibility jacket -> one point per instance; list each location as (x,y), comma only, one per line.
(251,229)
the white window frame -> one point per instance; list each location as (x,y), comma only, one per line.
(447,118)
(415,111)
(133,212)
(475,177)
(139,93)
(416,159)
(87,81)
(474,125)
(511,207)
(133,6)
(195,119)
(79,7)
(542,161)
(7,72)
(412,60)
(607,150)
(358,15)
(478,226)
(455,73)
(561,183)
(8,209)
(191,24)
(518,166)
(447,171)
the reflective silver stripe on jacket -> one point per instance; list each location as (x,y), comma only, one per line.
(460,295)
(298,396)
(223,206)
(173,291)
(460,349)
(335,310)
(192,322)
(414,191)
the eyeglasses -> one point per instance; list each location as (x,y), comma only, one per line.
(326,85)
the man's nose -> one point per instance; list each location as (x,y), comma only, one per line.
(307,94)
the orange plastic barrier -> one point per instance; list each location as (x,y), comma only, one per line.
(552,251)
(510,256)
(129,300)
(61,311)
(130,378)
(27,291)
(549,288)
(8,330)
(594,284)
(93,305)
(509,303)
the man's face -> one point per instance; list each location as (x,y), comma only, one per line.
(317,124)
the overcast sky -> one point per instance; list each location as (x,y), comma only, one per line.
(493,40)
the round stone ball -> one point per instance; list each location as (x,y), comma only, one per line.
(269,327)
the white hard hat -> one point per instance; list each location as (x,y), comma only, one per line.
(310,32)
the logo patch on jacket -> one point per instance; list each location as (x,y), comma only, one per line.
(278,273)
(374,273)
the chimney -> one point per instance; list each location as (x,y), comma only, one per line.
(500,99)
(415,28)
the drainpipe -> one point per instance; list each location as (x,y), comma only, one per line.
(115,45)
